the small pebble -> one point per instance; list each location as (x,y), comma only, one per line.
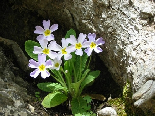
(31,108)
(107,111)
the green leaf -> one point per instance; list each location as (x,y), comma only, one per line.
(69,65)
(51,87)
(37,93)
(55,72)
(29,48)
(70,32)
(75,89)
(91,76)
(80,64)
(79,105)
(78,114)
(54,99)
(87,98)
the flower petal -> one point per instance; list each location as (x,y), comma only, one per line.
(52,55)
(98,50)
(70,49)
(67,56)
(91,36)
(40,37)
(48,64)
(54,27)
(39,30)
(50,37)
(37,50)
(43,43)
(35,73)
(79,52)
(71,40)
(64,42)
(86,44)
(41,58)
(59,55)
(46,24)
(56,60)
(81,37)
(33,64)
(54,46)
(45,74)
(100,41)
(88,51)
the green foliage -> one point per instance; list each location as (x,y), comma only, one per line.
(86,114)
(125,105)
(70,32)
(29,48)
(69,65)
(88,99)
(92,75)
(76,87)
(54,99)
(51,87)
(81,106)
(37,95)
(80,64)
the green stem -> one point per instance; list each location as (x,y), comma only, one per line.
(62,78)
(75,77)
(67,79)
(89,61)
(58,80)
(80,70)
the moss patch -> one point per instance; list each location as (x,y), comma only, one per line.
(124,105)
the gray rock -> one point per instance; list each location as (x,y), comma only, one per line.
(126,26)
(13,92)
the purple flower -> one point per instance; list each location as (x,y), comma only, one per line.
(40,66)
(76,45)
(61,50)
(56,63)
(46,33)
(93,44)
(44,49)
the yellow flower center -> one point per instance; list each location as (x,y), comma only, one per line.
(56,64)
(42,67)
(92,45)
(64,51)
(78,46)
(46,51)
(47,32)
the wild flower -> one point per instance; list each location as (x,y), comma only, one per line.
(76,45)
(46,32)
(45,49)
(56,63)
(93,44)
(61,50)
(67,64)
(40,66)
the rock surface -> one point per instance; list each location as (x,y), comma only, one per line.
(128,29)
(12,94)
(14,100)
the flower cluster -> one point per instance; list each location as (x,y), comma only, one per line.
(49,47)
